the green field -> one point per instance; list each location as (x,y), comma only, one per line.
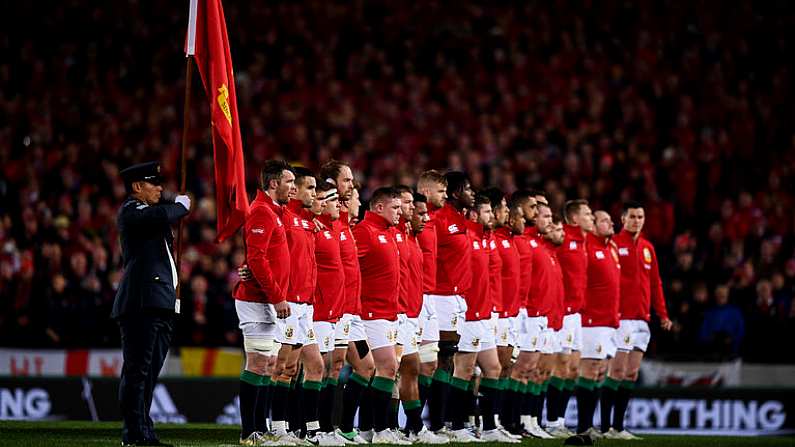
(86,434)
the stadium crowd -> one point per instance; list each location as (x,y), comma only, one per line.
(679,106)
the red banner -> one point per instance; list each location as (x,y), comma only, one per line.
(215,66)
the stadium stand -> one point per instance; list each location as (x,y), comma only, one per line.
(683,105)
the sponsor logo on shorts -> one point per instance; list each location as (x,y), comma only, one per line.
(475,342)
(534,341)
(327,341)
(626,339)
(346,329)
(454,321)
(391,336)
(569,338)
(311,334)
(288,332)
(598,349)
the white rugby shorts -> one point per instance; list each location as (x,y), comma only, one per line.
(570,335)
(428,321)
(297,328)
(598,342)
(450,311)
(381,333)
(476,336)
(408,334)
(532,333)
(256,320)
(324,334)
(632,334)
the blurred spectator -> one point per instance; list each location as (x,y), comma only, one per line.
(723,329)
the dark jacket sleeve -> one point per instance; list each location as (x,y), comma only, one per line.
(134,217)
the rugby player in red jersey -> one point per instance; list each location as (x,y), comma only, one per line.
(641,289)
(599,319)
(261,295)
(574,263)
(379,263)
(433,185)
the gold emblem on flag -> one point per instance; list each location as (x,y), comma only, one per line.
(223,102)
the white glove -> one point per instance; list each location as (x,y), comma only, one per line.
(183,200)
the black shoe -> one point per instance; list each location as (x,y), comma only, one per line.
(145,442)
(578,440)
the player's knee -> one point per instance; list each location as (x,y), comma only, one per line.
(631,375)
(289,369)
(429,354)
(491,371)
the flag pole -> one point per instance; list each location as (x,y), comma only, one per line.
(190,50)
(182,161)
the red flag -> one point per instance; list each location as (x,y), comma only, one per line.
(207,37)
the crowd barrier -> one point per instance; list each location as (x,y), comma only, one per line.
(722,411)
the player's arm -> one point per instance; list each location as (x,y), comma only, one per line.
(657,296)
(259,232)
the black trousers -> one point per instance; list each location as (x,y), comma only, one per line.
(145,338)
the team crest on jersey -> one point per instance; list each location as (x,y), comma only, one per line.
(453,229)
(599,254)
(647,255)
(573,245)
(382,238)
(288,332)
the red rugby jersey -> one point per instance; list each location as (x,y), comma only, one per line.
(410,296)
(522,242)
(641,286)
(330,290)
(495,273)
(267,254)
(556,293)
(350,264)
(453,270)
(301,241)
(510,272)
(541,301)
(573,258)
(603,284)
(427,241)
(479,303)
(379,263)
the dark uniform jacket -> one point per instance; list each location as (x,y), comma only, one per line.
(146,238)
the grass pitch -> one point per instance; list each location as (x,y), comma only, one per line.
(89,434)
